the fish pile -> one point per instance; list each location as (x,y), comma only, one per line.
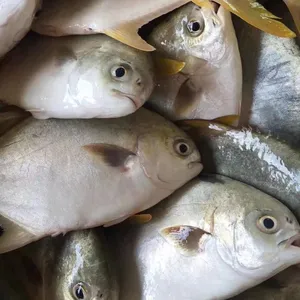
(149,150)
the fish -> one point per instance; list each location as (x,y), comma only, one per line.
(75,266)
(61,175)
(77,77)
(259,160)
(16,18)
(204,39)
(212,239)
(271,87)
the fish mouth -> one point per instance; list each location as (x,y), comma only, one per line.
(135,100)
(216,6)
(293,241)
(196,163)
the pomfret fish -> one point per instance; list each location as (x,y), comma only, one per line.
(77,77)
(76,266)
(63,175)
(205,40)
(16,17)
(211,239)
(256,159)
(271,89)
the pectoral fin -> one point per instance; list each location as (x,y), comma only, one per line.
(255,14)
(203,3)
(128,34)
(227,120)
(112,155)
(294,7)
(166,66)
(188,240)
(140,219)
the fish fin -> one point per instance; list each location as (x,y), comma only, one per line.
(255,14)
(116,221)
(186,239)
(166,66)
(11,116)
(111,155)
(38,114)
(128,34)
(140,219)
(294,8)
(186,100)
(198,123)
(203,3)
(13,236)
(229,120)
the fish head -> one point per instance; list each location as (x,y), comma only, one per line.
(79,269)
(194,35)
(168,156)
(265,236)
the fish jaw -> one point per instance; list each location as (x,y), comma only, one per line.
(291,249)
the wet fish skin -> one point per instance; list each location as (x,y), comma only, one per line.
(203,88)
(201,238)
(16,18)
(64,175)
(77,77)
(256,159)
(271,87)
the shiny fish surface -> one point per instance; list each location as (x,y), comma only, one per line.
(64,175)
(212,239)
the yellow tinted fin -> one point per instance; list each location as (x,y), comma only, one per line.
(140,219)
(128,34)
(166,66)
(227,120)
(203,3)
(294,7)
(255,14)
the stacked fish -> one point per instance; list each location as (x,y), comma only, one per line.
(110,111)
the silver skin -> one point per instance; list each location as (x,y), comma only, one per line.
(256,159)
(235,252)
(203,89)
(64,175)
(271,87)
(76,76)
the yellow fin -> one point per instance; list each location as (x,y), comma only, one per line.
(128,34)
(294,7)
(227,120)
(255,14)
(203,3)
(140,219)
(166,66)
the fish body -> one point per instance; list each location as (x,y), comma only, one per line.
(203,38)
(16,17)
(206,241)
(271,88)
(256,159)
(64,175)
(77,77)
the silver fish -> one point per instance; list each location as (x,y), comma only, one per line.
(271,90)
(256,159)
(77,77)
(205,40)
(212,239)
(16,17)
(62,175)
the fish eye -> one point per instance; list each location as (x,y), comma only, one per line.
(195,27)
(119,72)
(268,224)
(182,148)
(79,292)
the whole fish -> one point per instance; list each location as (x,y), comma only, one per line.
(256,159)
(62,175)
(205,40)
(75,266)
(271,89)
(212,239)
(16,17)
(77,77)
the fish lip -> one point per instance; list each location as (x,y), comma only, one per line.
(197,163)
(216,6)
(293,241)
(136,101)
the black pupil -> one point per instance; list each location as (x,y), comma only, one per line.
(269,223)
(195,26)
(183,148)
(79,293)
(120,72)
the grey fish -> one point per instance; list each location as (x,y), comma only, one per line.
(256,159)
(271,87)
(63,175)
(211,239)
